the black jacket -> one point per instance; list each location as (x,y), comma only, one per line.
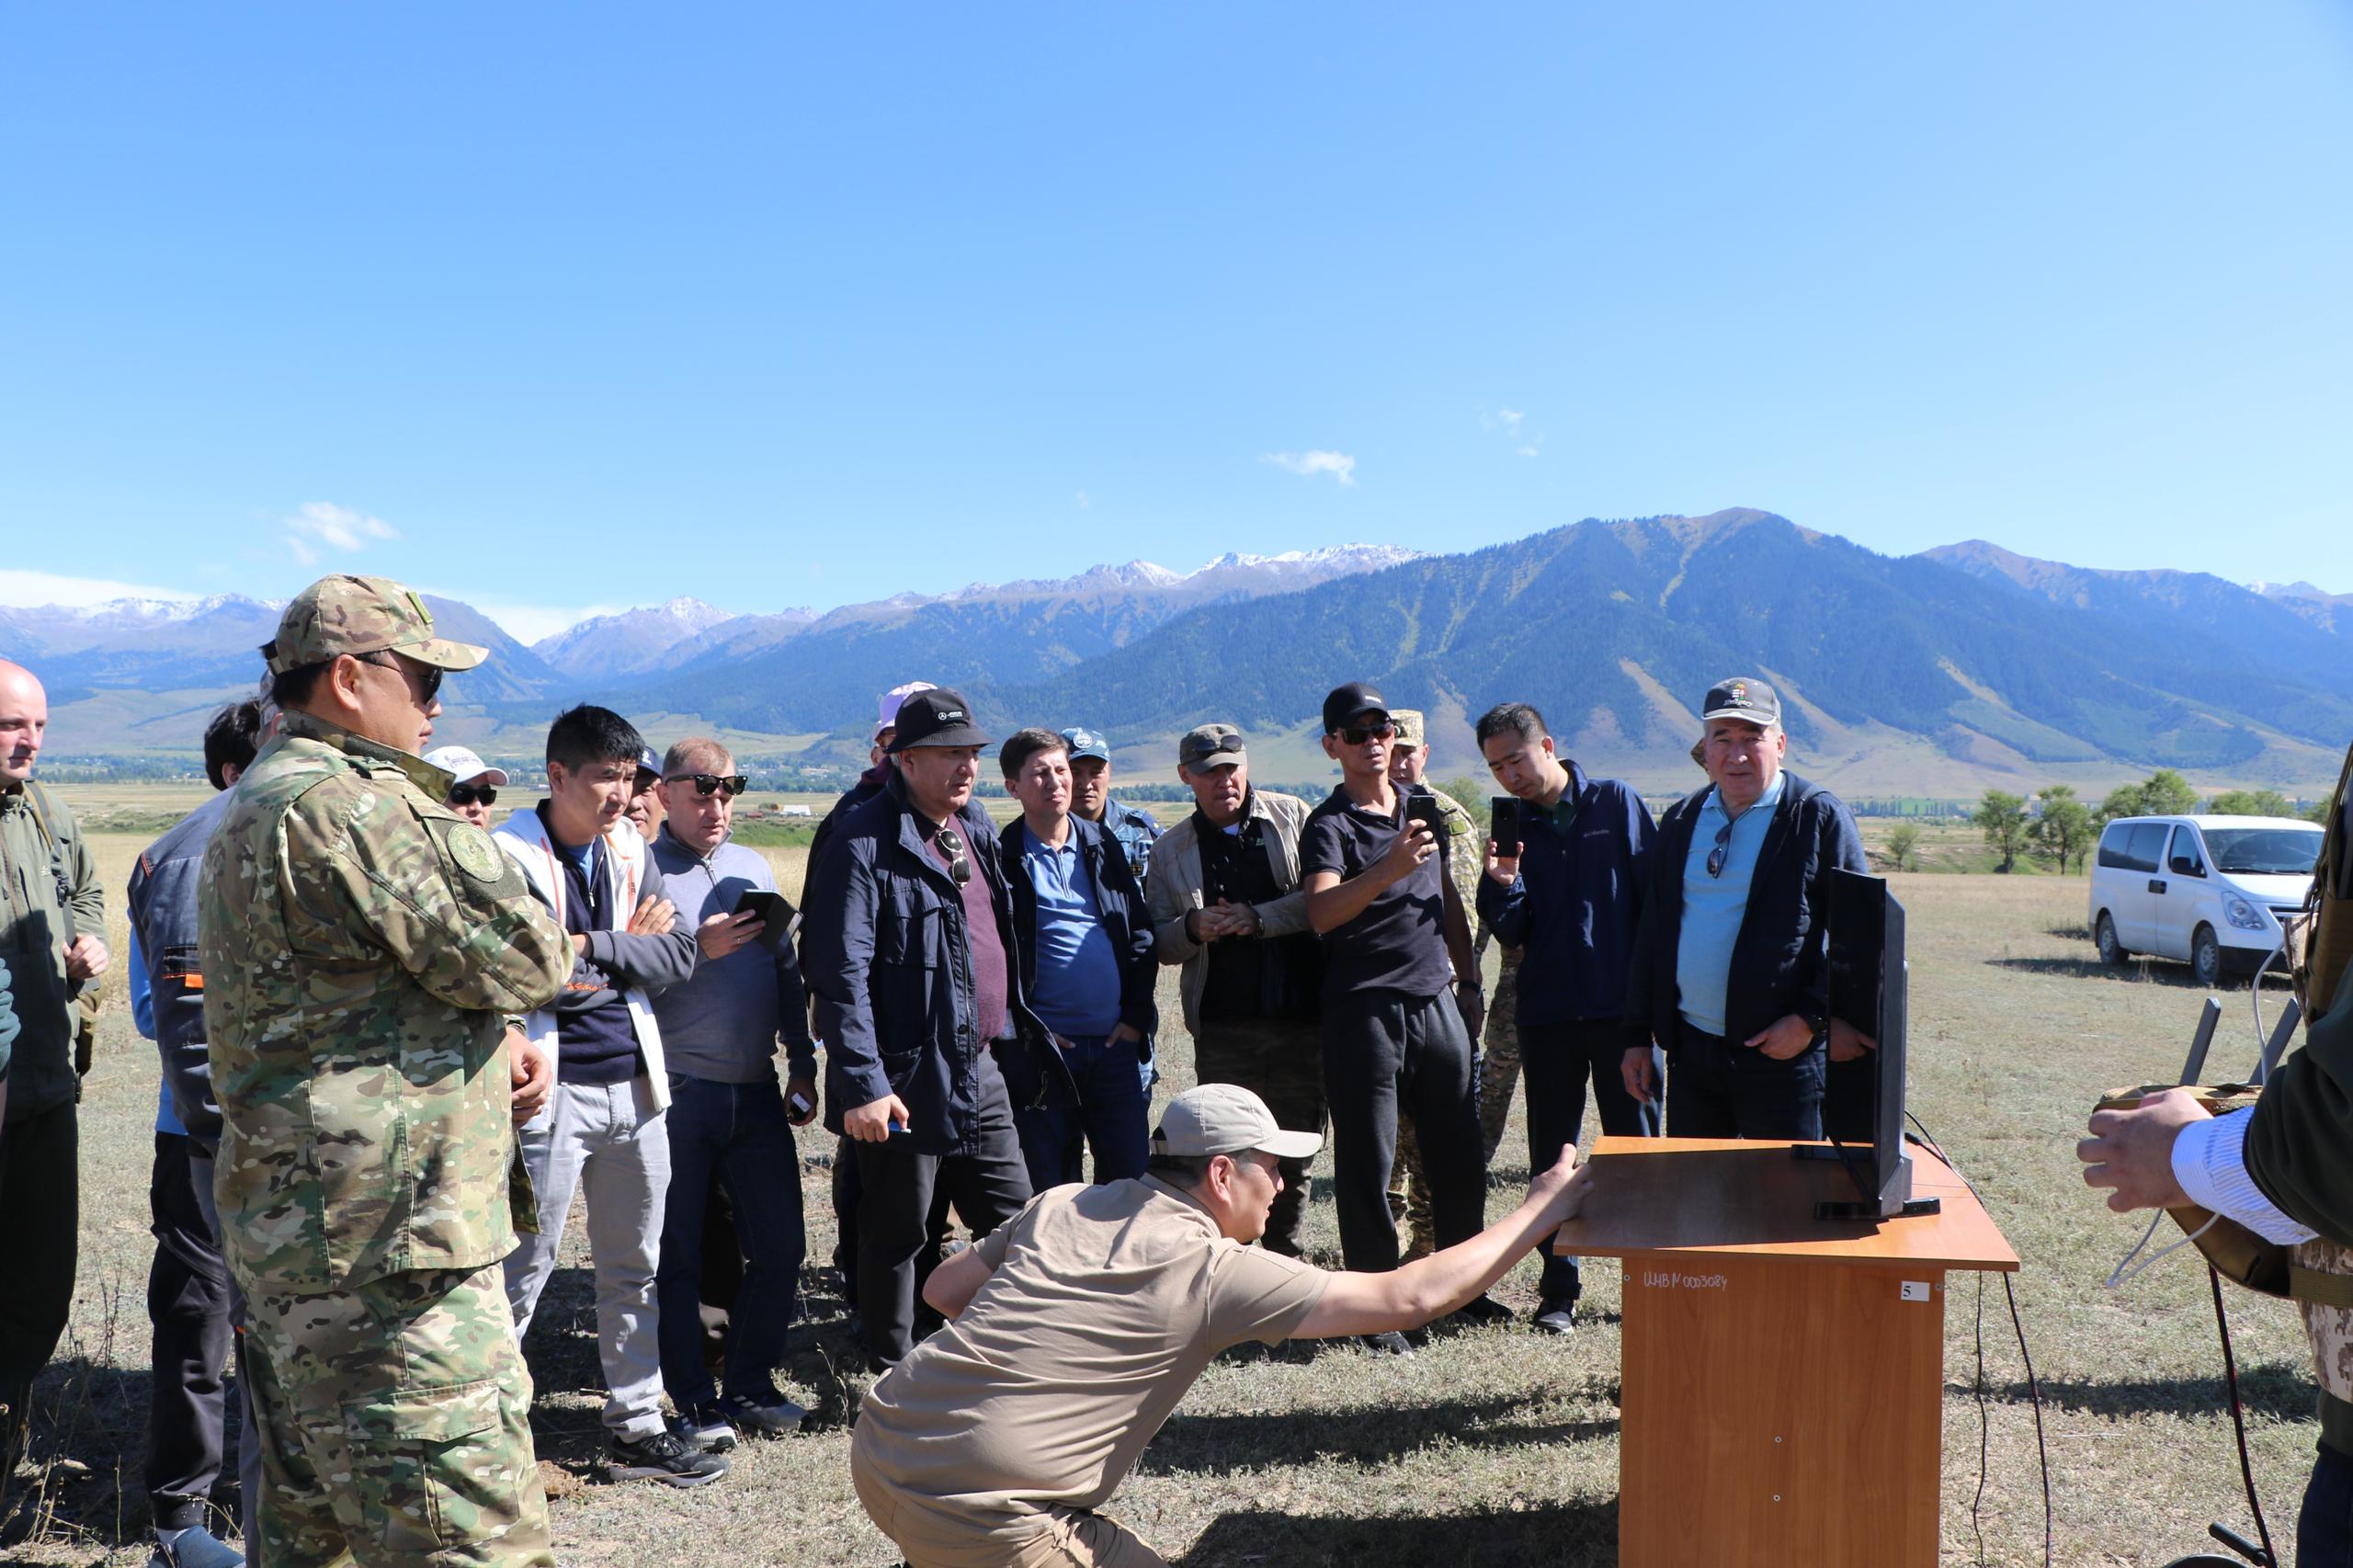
(1577,905)
(1118,904)
(884,951)
(1777,961)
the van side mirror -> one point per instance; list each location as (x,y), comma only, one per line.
(2187,866)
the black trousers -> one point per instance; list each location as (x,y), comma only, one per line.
(1720,1089)
(1385,1054)
(41,1195)
(187,1303)
(897,1189)
(1558,1060)
(2325,1523)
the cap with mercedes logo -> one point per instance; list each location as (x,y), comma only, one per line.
(935,718)
(1742,698)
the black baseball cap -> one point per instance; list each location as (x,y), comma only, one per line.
(935,718)
(1350,701)
(1752,701)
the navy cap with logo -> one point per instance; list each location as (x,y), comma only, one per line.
(1086,742)
(1353,701)
(1752,701)
(649,769)
(937,718)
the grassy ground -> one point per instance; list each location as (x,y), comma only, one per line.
(1490,1442)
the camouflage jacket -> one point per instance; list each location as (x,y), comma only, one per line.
(1466,847)
(362,947)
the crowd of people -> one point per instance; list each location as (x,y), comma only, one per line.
(403,1035)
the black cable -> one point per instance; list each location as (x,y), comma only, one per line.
(1985,1426)
(2034,1392)
(2238,1420)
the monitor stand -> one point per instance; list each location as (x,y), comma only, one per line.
(1895,1203)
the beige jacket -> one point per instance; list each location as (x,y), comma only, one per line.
(1174,889)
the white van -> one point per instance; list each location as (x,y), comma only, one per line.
(2211,890)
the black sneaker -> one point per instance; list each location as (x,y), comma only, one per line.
(1555,1315)
(706,1428)
(661,1455)
(1482,1309)
(770,1415)
(1388,1342)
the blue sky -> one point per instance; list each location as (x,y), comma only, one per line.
(558,308)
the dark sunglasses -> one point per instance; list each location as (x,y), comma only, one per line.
(428,677)
(707,784)
(467,794)
(960,864)
(1724,848)
(1356,734)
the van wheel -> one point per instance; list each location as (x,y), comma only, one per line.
(2111,951)
(2205,957)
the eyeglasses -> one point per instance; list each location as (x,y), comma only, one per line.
(708,784)
(960,864)
(467,794)
(1356,734)
(1717,856)
(426,676)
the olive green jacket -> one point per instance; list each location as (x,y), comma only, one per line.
(363,947)
(48,881)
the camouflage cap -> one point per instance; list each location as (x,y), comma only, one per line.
(1411,727)
(361,615)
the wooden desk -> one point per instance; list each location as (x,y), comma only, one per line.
(1783,1383)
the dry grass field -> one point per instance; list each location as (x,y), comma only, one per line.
(1490,1444)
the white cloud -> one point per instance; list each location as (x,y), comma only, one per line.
(1086,502)
(35,588)
(1339,465)
(338,527)
(1510,423)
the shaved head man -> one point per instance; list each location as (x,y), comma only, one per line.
(24,716)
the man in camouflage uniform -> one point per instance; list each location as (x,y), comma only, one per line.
(366,952)
(1465,848)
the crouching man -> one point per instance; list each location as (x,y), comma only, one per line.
(1079,1323)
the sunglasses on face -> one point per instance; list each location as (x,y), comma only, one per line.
(707,784)
(467,794)
(426,678)
(1356,734)
(960,864)
(1716,857)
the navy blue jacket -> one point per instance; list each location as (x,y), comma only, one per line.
(1576,904)
(1779,961)
(1118,904)
(161,900)
(884,951)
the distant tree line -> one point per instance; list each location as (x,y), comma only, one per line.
(2061,830)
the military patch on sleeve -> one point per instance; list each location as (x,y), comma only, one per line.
(476,855)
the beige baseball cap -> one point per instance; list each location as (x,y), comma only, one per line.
(361,615)
(1411,727)
(1226,1119)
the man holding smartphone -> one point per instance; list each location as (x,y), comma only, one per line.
(1396,1037)
(1565,877)
(720,1028)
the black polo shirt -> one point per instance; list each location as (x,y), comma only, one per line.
(1398,942)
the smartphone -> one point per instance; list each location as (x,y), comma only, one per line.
(1504,825)
(1424,809)
(782,919)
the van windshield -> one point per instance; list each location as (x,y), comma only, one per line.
(2264,851)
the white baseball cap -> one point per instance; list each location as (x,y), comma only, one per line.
(1226,1119)
(464,766)
(890,700)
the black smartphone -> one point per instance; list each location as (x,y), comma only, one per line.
(1504,825)
(1424,809)
(781,920)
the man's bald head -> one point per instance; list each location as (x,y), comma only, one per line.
(24,717)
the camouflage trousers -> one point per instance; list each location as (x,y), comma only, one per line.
(1409,1191)
(1282,1064)
(395,1426)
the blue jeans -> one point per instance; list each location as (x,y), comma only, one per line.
(2324,1527)
(739,1129)
(1721,1089)
(1114,1098)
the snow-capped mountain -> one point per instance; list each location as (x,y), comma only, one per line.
(632,642)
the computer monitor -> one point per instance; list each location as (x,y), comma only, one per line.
(1868,992)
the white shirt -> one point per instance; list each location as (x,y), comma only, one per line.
(2210,1160)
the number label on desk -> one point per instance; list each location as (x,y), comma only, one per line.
(1915,1289)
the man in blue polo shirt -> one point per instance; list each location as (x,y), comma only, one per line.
(1569,896)
(1729,972)
(1089,968)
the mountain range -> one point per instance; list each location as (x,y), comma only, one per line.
(1936,674)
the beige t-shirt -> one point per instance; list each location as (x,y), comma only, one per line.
(1105,1305)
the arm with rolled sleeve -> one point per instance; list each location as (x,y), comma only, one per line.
(836,955)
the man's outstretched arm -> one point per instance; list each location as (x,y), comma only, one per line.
(1435,1286)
